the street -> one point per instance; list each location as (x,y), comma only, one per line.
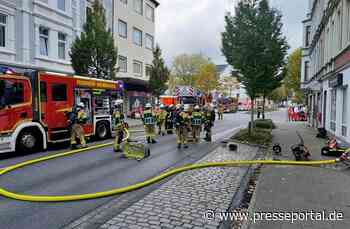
(89,172)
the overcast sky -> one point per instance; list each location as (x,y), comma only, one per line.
(195,26)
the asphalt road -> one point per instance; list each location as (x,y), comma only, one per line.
(88,172)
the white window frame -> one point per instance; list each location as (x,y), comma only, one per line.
(150,38)
(62,42)
(46,38)
(124,60)
(138,11)
(121,22)
(148,9)
(5,26)
(135,62)
(133,36)
(125,2)
(64,2)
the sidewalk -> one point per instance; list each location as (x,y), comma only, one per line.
(180,202)
(298,189)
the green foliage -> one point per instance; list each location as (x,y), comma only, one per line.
(264,124)
(186,67)
(254,45)
(207,78)
(259,136)
(293,76)
(94,53)
(159,73)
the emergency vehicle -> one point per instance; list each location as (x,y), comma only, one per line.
(34,108)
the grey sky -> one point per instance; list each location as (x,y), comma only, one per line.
(195,26)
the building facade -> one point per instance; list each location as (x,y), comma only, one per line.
(39,34)
(326,65)
(134,34)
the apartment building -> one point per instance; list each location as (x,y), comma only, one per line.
(39,34)
(326,65)
(134,34)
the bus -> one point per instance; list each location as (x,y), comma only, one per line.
(34,108)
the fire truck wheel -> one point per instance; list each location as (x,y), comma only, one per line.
(28,141)
(102,130)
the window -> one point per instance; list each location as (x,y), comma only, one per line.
(3,25)
(88,11)
(149,12)
(340,31)
(345,112)
(148,70)
(137,68)
(17,94)
(333,109)
(137,37)
(62,45)
(43,92)
(44,41)
(123,64)
(307,35)
(149,41)
(122,29)
(124,1)
(59,92)
(61,4)
(307,70)
(138,6)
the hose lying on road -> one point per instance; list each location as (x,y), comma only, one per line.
(42,198)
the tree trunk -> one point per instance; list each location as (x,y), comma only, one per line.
(263,108)
(251,126)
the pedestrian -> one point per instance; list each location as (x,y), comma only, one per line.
(290,113)
(182,126)
(259,111)
(221,109)
(118,124)
(196,120)
(161,120)
(77,119)
(148,119)
(296,113)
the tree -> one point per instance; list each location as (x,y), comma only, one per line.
(94,53)
(293,75)
(159,73)
(227,84)
(185,67)
(207,78)
(275,48)
(243,47)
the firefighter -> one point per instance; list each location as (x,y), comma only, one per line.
(209,118)
(78,119)
(169,120)
(161,120)
(221,111)
(118,124)
(196,121)
(149,123)
(183,123)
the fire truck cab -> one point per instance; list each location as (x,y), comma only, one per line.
(35,106)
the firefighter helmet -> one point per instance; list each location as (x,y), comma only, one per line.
(81,105)
(148,105)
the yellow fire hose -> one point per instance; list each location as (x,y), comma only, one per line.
(42,198)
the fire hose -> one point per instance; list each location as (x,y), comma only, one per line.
(64,198)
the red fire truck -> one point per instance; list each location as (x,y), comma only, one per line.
(34,107)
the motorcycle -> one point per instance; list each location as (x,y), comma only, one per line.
(300,151)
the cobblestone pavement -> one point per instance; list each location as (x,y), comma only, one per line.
(182,201)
